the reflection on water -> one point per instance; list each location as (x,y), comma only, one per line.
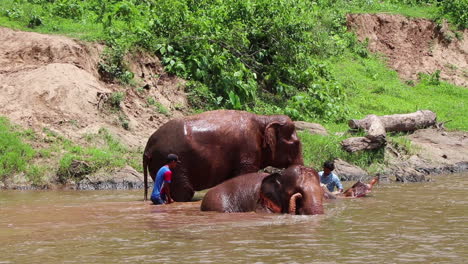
(418,223)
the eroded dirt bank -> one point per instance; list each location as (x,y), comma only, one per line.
(415,45)
(53,82)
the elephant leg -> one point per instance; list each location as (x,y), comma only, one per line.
(181,188)
(183,195)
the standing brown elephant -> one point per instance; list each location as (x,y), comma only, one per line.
(218,145)
(296,190)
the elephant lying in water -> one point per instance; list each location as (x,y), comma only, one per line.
(218,145)
(358,189)
(296,191)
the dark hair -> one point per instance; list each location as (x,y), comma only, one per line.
(172,157)
(329,165)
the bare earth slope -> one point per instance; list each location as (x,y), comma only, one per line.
(414,45)
(52,82)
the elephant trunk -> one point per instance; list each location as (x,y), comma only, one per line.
(313,210)
(293,202)
(312,203)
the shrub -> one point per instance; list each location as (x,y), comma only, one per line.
(115,99)
(455,11)
(67,9)
(34,21)
(112,66)
(14,13)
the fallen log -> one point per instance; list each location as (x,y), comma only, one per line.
(376,130)
(397,123)
(312,128)
(361,143)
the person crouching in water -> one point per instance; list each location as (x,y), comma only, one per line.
(161,192)
(329,179)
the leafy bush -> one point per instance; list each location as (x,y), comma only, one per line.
(455,11)
(67,9)
(115,99)
(14,13)
(430,79)
(112,66)
(34,21)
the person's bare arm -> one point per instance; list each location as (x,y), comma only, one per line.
(167,191)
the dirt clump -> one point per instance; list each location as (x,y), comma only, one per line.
(415,45)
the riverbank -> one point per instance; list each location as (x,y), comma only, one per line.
(436,152)
(66,124)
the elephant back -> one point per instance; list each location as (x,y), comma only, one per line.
(239,194)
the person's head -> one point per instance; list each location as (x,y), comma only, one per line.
(328,167)
(172,160)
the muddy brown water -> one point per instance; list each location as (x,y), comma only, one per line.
(398,223)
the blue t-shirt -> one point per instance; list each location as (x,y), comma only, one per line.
(164,175)
(331,180)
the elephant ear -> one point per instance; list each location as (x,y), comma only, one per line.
(270,138)
(270,192)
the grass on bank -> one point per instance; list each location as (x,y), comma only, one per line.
(15,155)
(372,88)
(54,158)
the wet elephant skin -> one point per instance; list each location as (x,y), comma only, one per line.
(296,190)
(218,145)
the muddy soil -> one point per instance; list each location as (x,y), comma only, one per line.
(415,45)
(49,81)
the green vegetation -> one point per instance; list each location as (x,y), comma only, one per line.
(101,151)
(373,88)
(455,11)
(293,57)
(261,56)
(318,148)
(158,106)
(115,99)
(15,155)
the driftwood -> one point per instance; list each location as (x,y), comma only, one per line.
(360,143)
(377,126)
(375,138)
(399,122)
(376,130)
(312,128)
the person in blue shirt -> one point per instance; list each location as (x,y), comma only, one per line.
(161,191)
(329,179)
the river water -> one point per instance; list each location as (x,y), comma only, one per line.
(398,223)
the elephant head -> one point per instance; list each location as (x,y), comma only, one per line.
(295,191)
(280,142)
